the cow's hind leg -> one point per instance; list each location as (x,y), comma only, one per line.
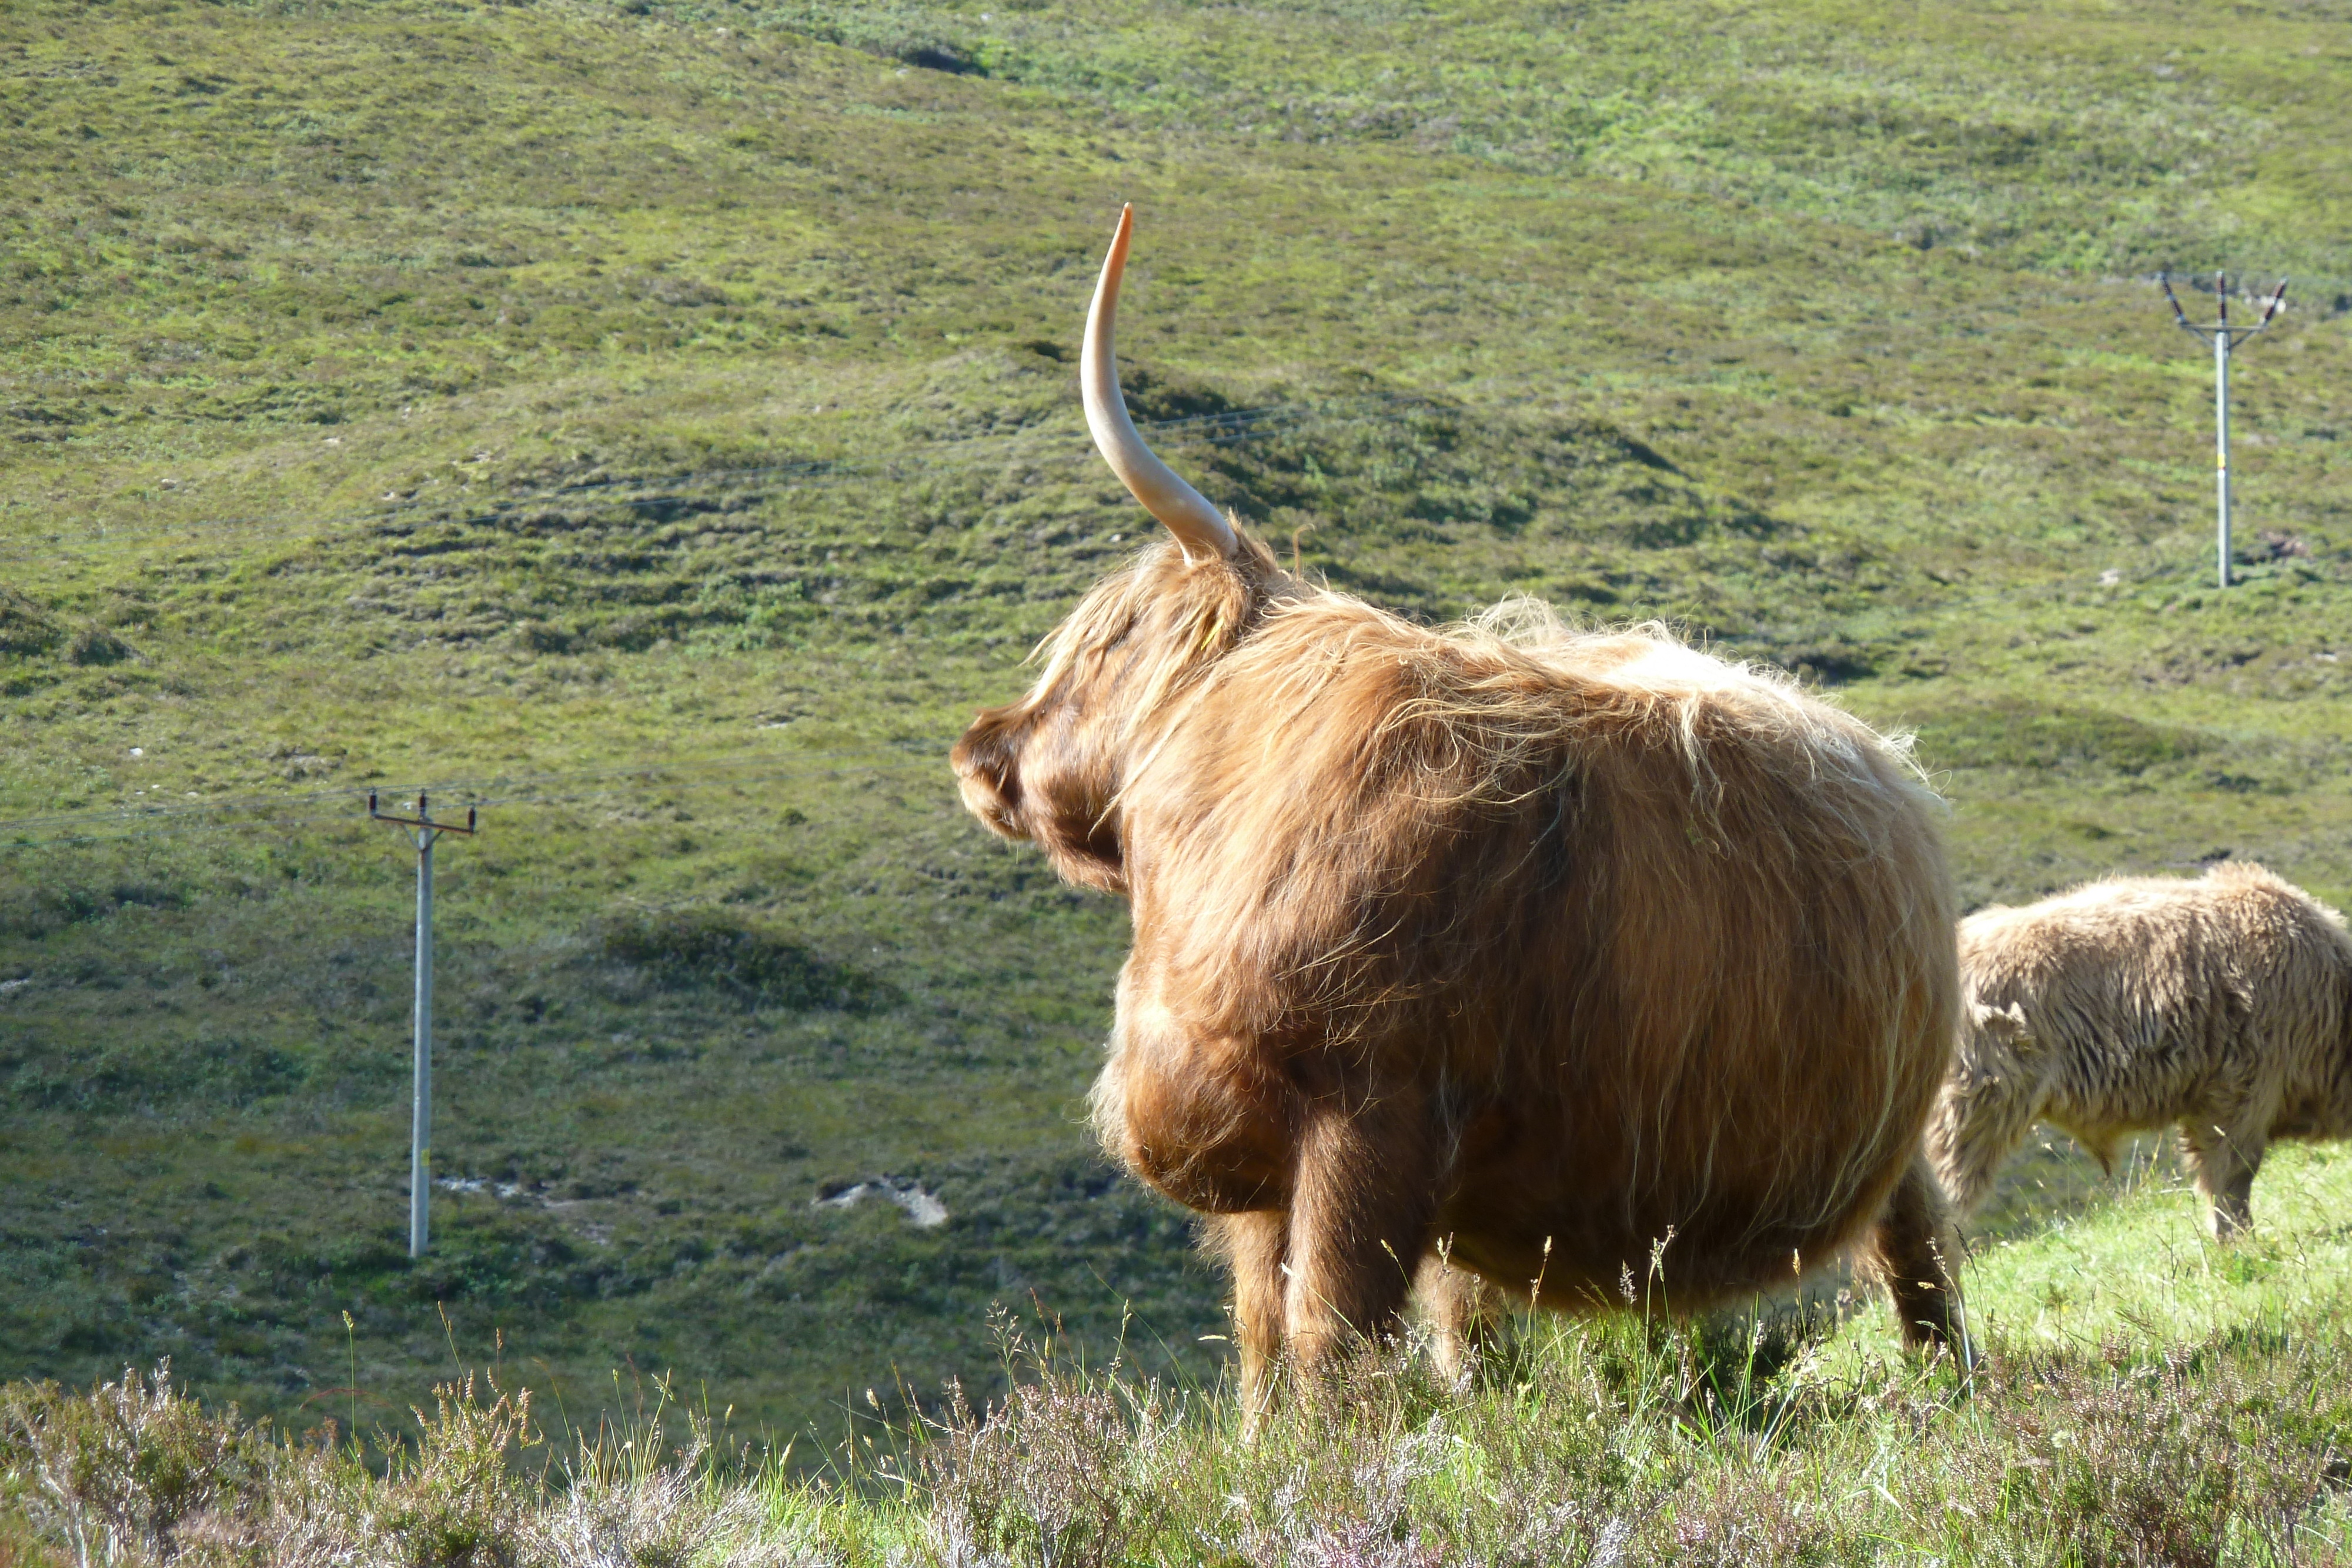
(2223,1161)
(1253,1246)
(1360,1208)
(1913,1253)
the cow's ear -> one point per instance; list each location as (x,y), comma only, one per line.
(2006,1022)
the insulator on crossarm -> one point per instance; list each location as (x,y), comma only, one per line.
(2171,299)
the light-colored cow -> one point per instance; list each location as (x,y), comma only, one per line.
(2219,1004)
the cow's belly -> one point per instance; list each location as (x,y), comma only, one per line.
(1201,1124)
(1596,1261)
(1594,1216)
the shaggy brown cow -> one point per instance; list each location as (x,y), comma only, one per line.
(2221,1004)
(1560,946)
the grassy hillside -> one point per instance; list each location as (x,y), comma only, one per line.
(656,424)
(2195,1413)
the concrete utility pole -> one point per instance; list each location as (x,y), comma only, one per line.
(423,830)
(2226,339)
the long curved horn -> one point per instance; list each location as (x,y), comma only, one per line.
(1198,525)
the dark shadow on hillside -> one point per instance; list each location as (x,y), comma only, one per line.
(706,950)
(31,909)
(2014,733)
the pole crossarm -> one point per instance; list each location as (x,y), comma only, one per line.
(2222,307)
(422,819)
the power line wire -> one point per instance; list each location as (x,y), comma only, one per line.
(1225,427)
(205,816)
(541,790)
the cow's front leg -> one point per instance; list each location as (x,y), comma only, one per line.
(1362,1196)
(2223,1161)
(1253,1246)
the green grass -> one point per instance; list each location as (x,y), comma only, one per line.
(359,363)
(2147,1270)
(2194,1410)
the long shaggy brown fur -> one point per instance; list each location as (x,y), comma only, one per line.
(1552,944)
(2223,1004)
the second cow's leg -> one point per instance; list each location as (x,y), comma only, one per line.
(2223,1161)
(1914,1252)
(1362,1203)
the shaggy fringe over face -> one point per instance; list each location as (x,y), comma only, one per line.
(1551,943)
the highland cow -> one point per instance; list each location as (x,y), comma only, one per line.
(1549,949)
(2219,1005)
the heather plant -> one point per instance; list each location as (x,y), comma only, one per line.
(1589,1447)
(2203,1417)
(453,1499)
(626,1497)
(121,1473)
(2107,1456)
(1064,1469)
(136,1473)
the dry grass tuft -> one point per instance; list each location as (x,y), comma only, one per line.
(136,1473)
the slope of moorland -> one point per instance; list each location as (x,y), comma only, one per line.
(656,424)
(2146,1396)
